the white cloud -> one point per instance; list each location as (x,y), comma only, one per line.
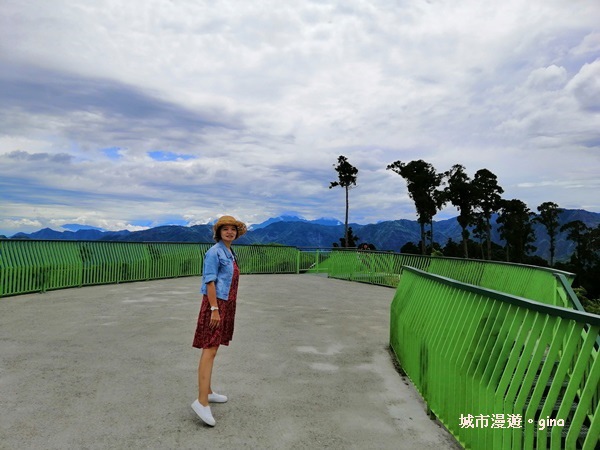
(548,78)
(24,224)
(590,45)
(585,86)
(263,96)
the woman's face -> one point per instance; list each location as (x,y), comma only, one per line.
(228,233)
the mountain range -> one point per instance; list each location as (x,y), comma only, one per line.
(296,231)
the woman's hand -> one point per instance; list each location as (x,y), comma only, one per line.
(215,319)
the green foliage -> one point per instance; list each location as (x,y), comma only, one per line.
(516,229)
(422,182)
(477,200)
(534,260)
(346,173)
(585,262)
(346,178)
(352,239)
(455,249)
(459,192)
(415,249)
(592,306)
(587,243)
(487,193)
(410,248)
(548,217)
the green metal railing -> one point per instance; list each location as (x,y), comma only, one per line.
(371,267)
(37,266)
(534,283)
(32,266)
(256,259)
(477,338)
(313,260)
(491,366)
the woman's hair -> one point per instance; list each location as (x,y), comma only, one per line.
(217,236)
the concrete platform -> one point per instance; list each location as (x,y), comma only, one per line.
(112,367)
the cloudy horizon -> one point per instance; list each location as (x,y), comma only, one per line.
(131,115)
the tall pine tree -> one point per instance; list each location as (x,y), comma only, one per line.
(346,178)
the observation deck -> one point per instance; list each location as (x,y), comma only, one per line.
(112,367)
(503,355)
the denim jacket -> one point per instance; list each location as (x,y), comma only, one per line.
(218,267)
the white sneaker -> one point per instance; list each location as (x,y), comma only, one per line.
(217,398)
(204,413)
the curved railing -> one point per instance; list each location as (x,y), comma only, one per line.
(479,339)
(32,266)
(38,266)
(534,283)
(500,371)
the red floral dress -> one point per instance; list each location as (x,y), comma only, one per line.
(206,337)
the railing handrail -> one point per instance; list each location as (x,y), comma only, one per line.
(580,316)
(144,242)
(384,269)
(564,284)
(486,261)
(472,351)
(302,248)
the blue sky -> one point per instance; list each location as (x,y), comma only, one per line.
(125,115)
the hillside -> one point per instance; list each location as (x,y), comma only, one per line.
(389,235)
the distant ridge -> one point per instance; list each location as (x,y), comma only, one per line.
(76,227)
(388,235)
(327,221)
(91,234)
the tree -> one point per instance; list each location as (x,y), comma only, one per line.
(352,240)
(346,179)
(487,201)
(410,248)
(589,305)
(585,261)
(579,233)
(516,229)
(595,239)
(460,193)
(422,182)
(480,232)
(548,217)
(452,249)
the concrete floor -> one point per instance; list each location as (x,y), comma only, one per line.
(112,367)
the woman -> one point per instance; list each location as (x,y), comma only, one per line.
(220,277)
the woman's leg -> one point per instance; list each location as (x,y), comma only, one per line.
(205,367)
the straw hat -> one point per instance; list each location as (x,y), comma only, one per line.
(229,220)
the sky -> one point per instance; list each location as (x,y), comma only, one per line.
(128,115)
